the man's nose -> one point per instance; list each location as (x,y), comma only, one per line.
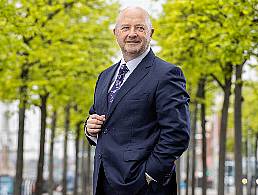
(132,33)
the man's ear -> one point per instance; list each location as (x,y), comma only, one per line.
(152,31)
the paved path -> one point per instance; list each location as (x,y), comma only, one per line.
(198,191)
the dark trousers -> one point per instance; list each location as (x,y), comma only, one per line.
(155,188)
(104,188)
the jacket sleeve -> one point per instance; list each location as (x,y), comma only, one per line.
(172,107)
(92,140)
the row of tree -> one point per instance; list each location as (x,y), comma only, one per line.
(212,40)
(51,54)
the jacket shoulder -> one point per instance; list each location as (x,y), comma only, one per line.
(162,67)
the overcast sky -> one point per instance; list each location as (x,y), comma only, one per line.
(152,6)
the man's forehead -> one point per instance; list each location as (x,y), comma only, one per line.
(134,10)
(132,13)
(135,20)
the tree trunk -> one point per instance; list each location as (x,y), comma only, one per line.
(189,154)
(43,109)
(223,130)
(246,160)
(19,158)
(178,176)
(67,126)
(22,109)
(187,171)
(88,182)
(76,158)
(248,157)
(193,141)
(204,145)
(238,130)
(51,154)
(256,161)
(194,122)
(83,167)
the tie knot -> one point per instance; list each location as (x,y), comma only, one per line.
(123,69)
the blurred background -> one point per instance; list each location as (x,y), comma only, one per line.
(51,52)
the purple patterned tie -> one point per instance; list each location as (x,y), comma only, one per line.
(118,83)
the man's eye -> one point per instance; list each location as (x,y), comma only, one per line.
(125,28)
(140,28)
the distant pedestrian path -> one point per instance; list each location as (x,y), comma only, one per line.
(198,191)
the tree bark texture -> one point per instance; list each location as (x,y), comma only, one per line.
(256,160)
(88,182)
(178,175)
(204,145)
(77,139)
(67,126)
(22,110)
(194,122)
(223,129)
(19,156)
(51,154)
(83,167)
(187,171)
(43,110)
(238,130)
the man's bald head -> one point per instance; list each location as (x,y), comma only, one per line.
(134,9)
(133,32)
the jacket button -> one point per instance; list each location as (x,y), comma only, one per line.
(100,156)
(105,131)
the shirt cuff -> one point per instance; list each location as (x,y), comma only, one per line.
(149,178)
(94,139)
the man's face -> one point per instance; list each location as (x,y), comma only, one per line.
(133,33)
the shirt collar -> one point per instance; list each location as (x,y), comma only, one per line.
(132,64)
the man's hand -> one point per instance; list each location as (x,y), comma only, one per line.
(94,123)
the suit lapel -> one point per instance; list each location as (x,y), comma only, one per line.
(138,74)
(107,83)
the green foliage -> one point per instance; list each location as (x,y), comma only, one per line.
(63,45)
(204,37)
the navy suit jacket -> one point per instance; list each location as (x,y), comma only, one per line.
(147,126)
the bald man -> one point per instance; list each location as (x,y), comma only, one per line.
(139,121)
